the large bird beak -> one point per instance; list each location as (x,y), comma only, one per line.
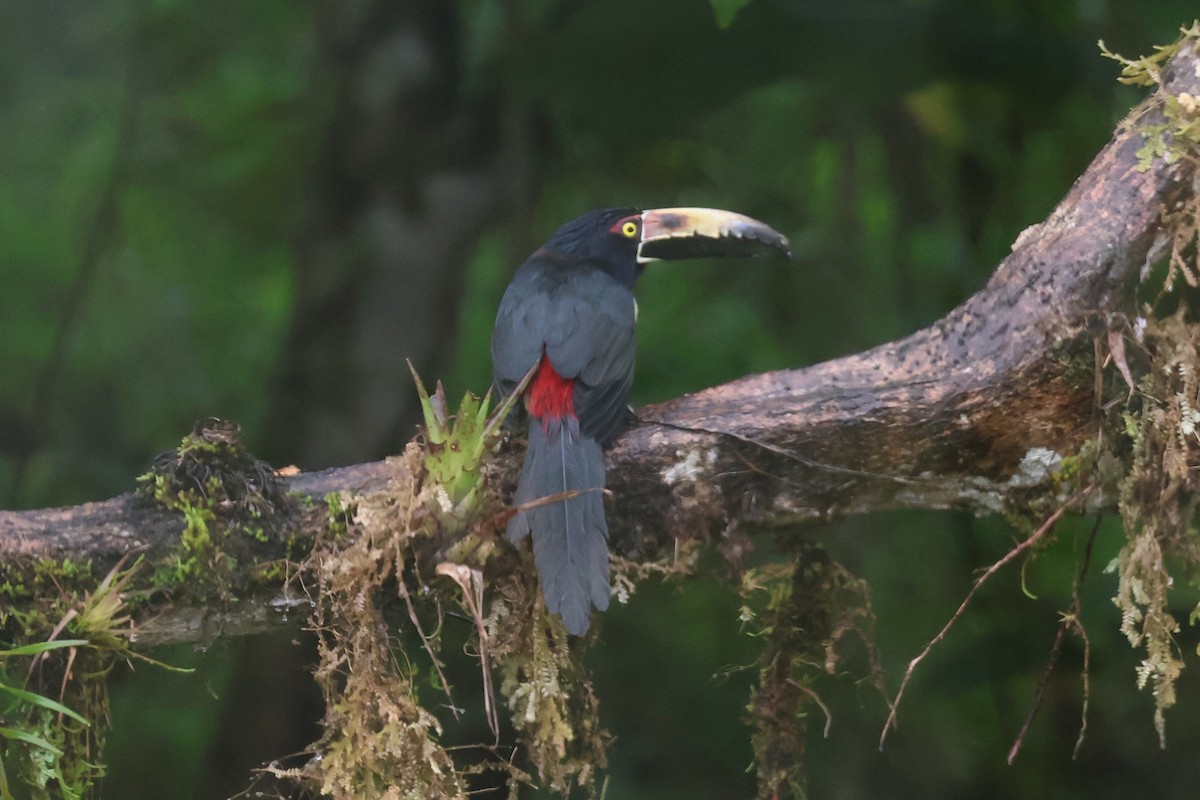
(674,233)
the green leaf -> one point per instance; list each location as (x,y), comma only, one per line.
(45,702)
(29,738)
(726,10)
(41,647)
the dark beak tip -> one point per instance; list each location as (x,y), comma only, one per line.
(780,247)
(774,241)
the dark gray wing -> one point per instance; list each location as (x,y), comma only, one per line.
(602,391)
(583,320)
(518,338)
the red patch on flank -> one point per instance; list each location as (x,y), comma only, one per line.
(551,396)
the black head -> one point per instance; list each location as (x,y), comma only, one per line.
(607,238)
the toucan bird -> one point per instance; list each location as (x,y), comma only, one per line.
(569,311)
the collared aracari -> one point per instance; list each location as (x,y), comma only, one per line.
(569,312)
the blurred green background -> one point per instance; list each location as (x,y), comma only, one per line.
(258,210)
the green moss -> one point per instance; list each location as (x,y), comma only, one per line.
(228,500)
(1176,138)
(35,594)
(270,573)
(1074,364)
(1073,468)
(1147,70)
(337,516)
(211,466)
(42,745)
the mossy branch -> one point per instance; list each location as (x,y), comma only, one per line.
(979,411)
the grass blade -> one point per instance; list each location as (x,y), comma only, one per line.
(41,647)
(44,702)
(29,738)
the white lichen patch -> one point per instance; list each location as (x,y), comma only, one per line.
(784,505)
(1158,250)
(1026,236)
(980,494)
(1037,466)
(690,467)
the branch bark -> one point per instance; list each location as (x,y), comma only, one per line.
(970,412)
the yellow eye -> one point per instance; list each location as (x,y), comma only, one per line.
(630,229)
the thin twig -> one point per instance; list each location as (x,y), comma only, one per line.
(1077,624)
(1070,620)
(1039,692)
(1012,554)
(502,517)
(786,453)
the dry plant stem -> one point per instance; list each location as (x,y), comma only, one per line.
(816,698)
(402,590)
(471,582)
(1012,554)
(1039,692)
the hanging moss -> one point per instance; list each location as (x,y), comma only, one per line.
(801,610)
(1158,427)
(382,739)
(1159,501)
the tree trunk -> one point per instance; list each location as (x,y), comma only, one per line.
(413,169)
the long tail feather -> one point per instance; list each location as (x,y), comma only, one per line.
(570,536)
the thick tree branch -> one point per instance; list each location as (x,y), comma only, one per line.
(961,414)
(967,413)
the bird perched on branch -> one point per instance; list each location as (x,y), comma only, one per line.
(568,315)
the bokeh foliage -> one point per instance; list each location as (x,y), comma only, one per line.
(156,160)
